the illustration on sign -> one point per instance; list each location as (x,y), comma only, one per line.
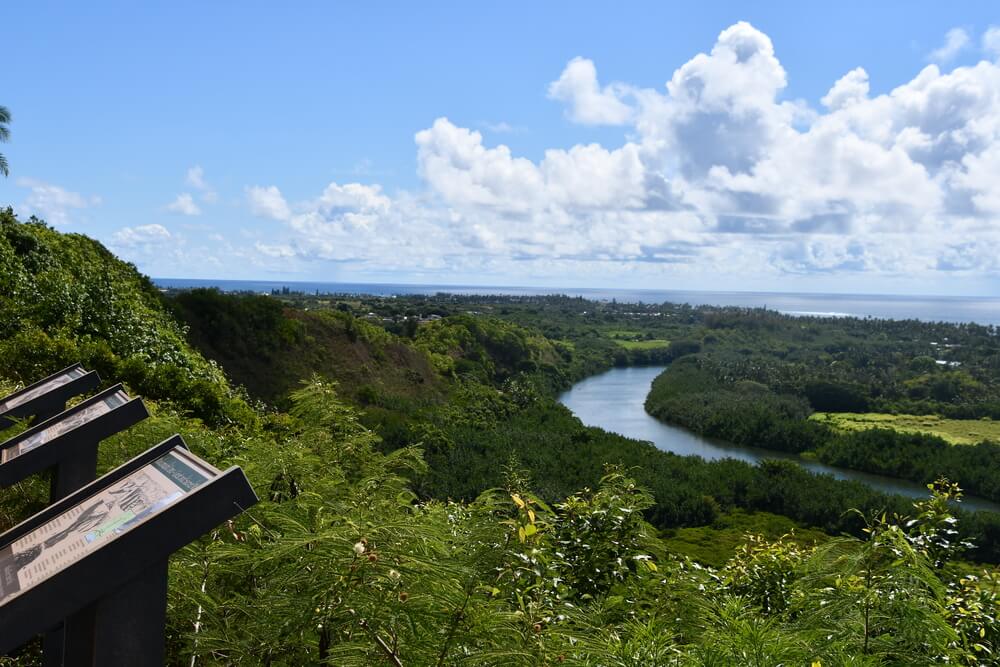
(43,388)
(55,545)
(83,416)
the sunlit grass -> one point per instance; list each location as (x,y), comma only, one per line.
(654,344)
(715,544)
(955,431)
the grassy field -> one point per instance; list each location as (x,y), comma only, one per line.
(643,344)
(714,545)
(955,431)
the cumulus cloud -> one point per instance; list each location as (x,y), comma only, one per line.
(268,202)
(588,102)
(849,89)
(353,222)
(341,221)
(991,41)
(184,204)
(978,177)
(456,164)
(53,203)
(275,250)
(130,237)
(956,40)
(717,172)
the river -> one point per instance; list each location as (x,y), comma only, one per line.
(614,401)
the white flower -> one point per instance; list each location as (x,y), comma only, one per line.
(359,548)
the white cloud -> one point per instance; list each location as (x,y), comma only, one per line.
(956,40)
(184,204)
(268,202)
(588,102)
(195,177)
(454,161)
(502,127)
(342,221)
(354,222)
(849,89)
(720,109)
(978,177)
(130,237)
(457,165)
(717,174)
(991,41)
(52,203)
(276,250)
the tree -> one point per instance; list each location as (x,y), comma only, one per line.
(4,137)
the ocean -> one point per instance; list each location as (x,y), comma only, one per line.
(981,310)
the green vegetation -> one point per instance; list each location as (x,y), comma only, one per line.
(500,361)
(65,298)
(765,397)
(644,344)
(954,431)
(717,543)
(270,349)
(4,137)
(426,501)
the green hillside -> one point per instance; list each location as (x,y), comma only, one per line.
(270,348)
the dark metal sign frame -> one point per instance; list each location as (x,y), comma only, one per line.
(51,402)
(114,598)
(74,452)
(71,454)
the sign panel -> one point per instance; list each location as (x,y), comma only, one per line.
(43,388)
(71,421)
(101,518)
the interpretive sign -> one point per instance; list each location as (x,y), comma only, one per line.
(64,425)
(73,433)
(88,526)
(47,396)
(97,558)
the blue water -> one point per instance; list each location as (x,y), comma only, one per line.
(615,400)
(982,310)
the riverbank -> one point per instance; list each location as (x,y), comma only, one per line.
(613,400)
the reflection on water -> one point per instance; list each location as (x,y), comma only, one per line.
(614,401)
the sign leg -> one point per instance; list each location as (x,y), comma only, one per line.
(131,623)
(74,472)
(52,646)
(126,627)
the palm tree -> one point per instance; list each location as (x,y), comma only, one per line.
(4,136)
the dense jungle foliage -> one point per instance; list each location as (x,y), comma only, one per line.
(426,501)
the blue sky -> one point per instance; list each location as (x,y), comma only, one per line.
(519,143)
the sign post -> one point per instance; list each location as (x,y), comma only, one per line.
(97,557)
(48,396)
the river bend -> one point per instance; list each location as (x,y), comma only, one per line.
(614,400)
